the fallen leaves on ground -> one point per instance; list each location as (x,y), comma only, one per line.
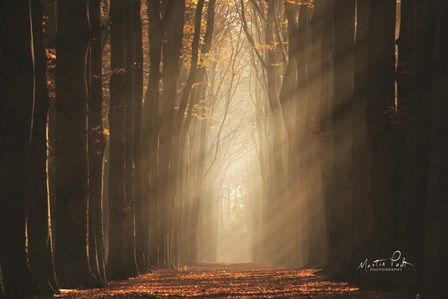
(227,281)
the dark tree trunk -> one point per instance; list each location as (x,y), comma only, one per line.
(403,80)
(97,144)
(316,214)
(129,128)
(324,11)
(141,204)
(341,200)
(71,145)
(150,131)
(418,135)
(39,251)
(116,266)
(171,63)
(381,135)
(299,141)
(16,114)
(288,94)
(362,218)
(277,249)
(436,241)
(50,33)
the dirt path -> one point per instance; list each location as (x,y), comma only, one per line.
(227,281)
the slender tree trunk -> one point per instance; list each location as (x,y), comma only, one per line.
(326,130)
(288,94)
(71,145)
(278,200)
(116,266)
(171,64)
(403,76)
(141,204)
(341,200)
(316,213)
(362,218)
(39,251)
(150,131)
(97,144)
(129,128)
(301,142)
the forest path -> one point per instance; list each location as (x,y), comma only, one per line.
(227,281)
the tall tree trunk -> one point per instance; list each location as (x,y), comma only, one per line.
(301,142)
(436,241)
(403,86)
(97,144)
(116,266)
(129,128)
(150,131)
(39,251)
(71,145)
(141,204)
(278,200)
(341,200)
(418,136)
(288,93)
(17,96)
(50,10)
(326,131)
(316,214)
(171,63)
(362,218)
(381,135)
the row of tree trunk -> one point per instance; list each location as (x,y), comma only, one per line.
(145,156)
(364,141)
